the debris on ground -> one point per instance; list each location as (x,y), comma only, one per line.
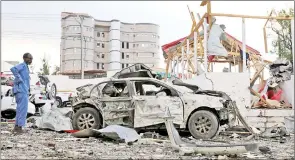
(52,118)
(53,145)
(114,132)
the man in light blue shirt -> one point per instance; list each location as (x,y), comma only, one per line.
(21,90)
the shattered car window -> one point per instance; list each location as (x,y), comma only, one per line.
(151,89)
(115,89)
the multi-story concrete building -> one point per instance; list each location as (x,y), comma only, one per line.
(107,45)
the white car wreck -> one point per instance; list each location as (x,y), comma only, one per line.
(8,105)
(141,102)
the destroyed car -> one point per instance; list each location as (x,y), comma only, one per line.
(140,103)
(8,105)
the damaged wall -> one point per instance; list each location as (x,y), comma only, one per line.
(234,84)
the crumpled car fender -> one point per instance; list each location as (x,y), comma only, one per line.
(88,101)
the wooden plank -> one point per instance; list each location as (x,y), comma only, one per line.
(252,81)
(209,14)
(248,16)
(167,67)
(204,2)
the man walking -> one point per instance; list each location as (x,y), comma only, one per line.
(21,89)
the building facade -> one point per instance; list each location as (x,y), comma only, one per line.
(106,45)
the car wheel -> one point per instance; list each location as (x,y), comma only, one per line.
(86,118)
(52,92)
(58,101)
(8,114)
(203,124)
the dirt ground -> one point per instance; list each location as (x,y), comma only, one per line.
(38,144)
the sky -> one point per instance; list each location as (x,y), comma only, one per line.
(35,26)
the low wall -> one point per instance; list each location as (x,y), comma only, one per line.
(64,83)
(236,86)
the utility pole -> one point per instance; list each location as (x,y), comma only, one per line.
(81,34)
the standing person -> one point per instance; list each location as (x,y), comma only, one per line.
(21,90)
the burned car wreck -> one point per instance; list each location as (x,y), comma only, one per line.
(140,102)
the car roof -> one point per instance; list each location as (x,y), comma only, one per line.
(136,78)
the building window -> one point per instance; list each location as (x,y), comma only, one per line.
(127,65)
(122,54)
(102,66)
(122,44)
(97,65)
(127,56)
(122,65)
(98,34)
(98,55)
(102,56)
(127,46)
(97,44)
(102,34)
(102,45)
(134,35)
(133,45)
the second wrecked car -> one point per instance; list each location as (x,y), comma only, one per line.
(140,102)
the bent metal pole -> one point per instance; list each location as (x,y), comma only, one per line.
(244,45)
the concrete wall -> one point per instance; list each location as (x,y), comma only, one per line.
(63,83)
(236,85)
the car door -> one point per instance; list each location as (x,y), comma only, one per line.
(150,108)
(117,109)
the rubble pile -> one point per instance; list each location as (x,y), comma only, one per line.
(280,71)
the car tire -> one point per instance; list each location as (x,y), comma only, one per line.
(81,115)
(52,92)
(203,124)
(8,114)
(58,99)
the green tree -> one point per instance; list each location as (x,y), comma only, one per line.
(282,45)
(45,67)
(56,69)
